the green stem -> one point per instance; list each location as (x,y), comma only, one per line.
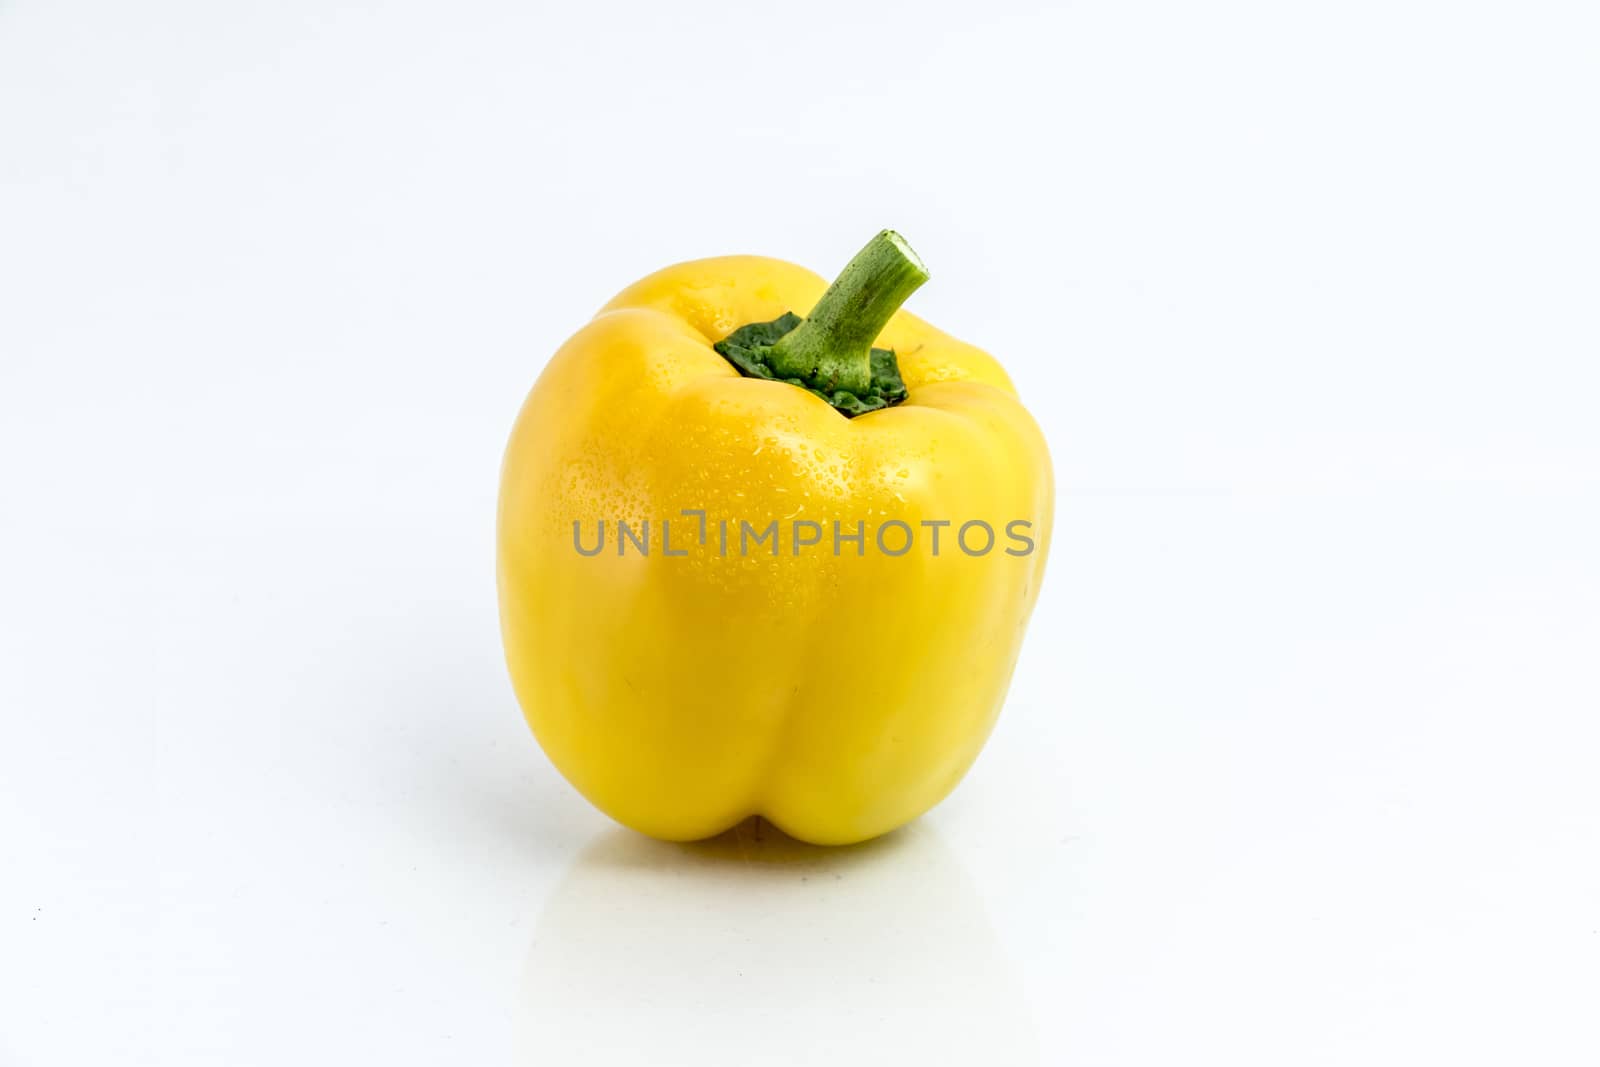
(832,348)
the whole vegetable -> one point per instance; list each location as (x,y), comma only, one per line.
(750,564)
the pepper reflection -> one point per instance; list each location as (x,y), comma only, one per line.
(754,948)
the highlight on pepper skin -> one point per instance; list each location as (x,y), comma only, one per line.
(768,547)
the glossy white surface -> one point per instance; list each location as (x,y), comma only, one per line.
(1299,764)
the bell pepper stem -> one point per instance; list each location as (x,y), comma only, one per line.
(832,348)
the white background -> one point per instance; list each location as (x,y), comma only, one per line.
(1299,766)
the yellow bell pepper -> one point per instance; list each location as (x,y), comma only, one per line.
(752,565)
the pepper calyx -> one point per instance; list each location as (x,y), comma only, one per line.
(749,350)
